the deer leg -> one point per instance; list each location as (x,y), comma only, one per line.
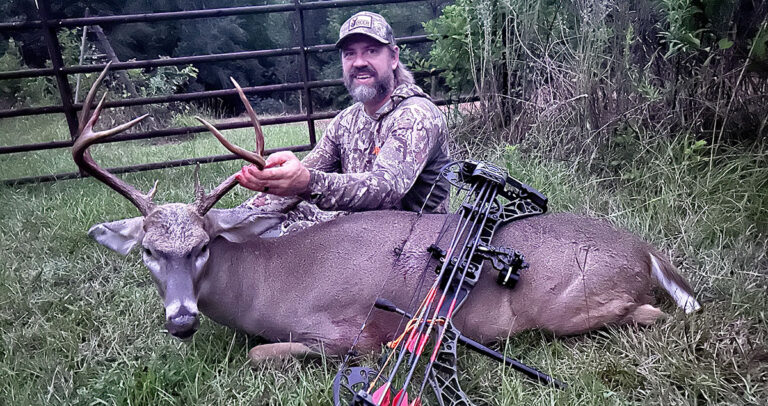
(279,351)
(644,315)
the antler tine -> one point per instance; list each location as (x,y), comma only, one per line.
(86,137)
(86,111)
(205,202)
(199,192)
(249,156)
(252,115)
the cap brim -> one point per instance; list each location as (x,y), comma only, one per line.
(351,33)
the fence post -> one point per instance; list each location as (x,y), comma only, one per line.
(54,51)
(305,73)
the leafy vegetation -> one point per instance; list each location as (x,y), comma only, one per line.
(570,75)
(141,41)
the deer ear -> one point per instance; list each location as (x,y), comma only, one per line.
(121,235)
(240,224)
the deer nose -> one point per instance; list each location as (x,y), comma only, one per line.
(183,324)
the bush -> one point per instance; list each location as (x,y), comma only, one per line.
(569,75)
(27,92)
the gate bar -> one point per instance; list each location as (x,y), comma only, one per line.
(54,50)
(192,14)
(305,73)
(184,60)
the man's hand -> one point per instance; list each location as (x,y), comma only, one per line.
(284,175)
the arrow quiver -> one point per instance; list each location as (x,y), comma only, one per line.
(491,198)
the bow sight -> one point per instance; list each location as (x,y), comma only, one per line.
(458,270)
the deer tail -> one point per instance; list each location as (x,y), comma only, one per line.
(666,276)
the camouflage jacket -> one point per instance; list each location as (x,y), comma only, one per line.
(388,161)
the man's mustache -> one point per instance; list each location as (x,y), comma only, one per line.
(358,71)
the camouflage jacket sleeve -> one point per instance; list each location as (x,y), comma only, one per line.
(325,155)
(413,132)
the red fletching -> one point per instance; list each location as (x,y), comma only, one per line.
(416,402)
(422,343)
(401,399)
(382,395)
(420,340)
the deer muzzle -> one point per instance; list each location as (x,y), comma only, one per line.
(184,324)
(182,319)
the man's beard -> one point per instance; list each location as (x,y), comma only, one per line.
(381,87)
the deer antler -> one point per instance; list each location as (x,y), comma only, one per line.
(203,201)
(252,157)
(86,137)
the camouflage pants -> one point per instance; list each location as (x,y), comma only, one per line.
(300,214)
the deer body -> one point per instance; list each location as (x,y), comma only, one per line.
(315,287)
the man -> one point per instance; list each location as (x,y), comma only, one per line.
(383,152)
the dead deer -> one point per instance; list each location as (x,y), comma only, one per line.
(311,291)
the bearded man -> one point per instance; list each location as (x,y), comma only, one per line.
(383,152)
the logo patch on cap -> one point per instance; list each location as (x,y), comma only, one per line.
(360,21)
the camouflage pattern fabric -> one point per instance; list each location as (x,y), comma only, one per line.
(389,161)
(367,23)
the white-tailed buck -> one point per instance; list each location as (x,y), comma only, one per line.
(311,290)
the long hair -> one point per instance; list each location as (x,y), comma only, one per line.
(403,76)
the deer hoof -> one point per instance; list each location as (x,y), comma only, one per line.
(645,315)
(278,352)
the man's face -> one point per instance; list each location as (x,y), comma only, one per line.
(368,68)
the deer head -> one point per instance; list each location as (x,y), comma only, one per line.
(174,237)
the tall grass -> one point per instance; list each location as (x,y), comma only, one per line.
(82,325)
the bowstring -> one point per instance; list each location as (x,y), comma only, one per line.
(460,229)
(482,200)
(493,194)
(419,285)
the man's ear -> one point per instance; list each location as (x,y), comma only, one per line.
(240,224)
(121,235)
(395,56)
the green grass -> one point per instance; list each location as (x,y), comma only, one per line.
(82,325)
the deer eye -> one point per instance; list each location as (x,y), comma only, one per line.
(147,252)
(204,248)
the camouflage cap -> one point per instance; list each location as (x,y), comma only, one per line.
(367,23)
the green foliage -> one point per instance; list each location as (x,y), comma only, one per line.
(163,80)
(683,34)
(570,75)
(10,61)
(714,25)
(758,45)
(27,92)
(452,50)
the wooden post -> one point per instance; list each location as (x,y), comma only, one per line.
(110,52)
(82,55)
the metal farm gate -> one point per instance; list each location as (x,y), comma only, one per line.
(70,108)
